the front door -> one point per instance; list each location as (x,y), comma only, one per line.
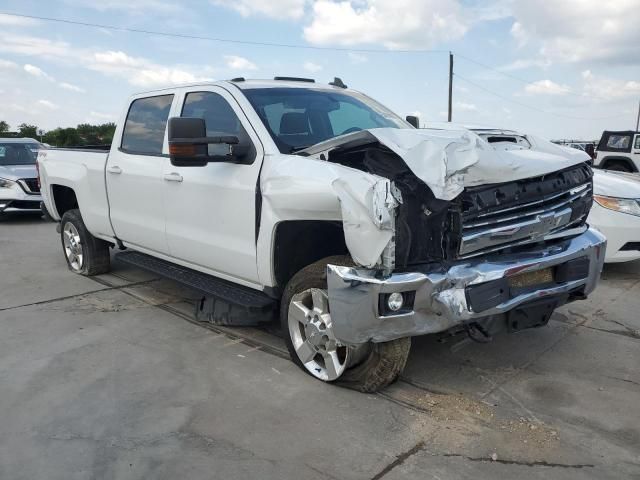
(134,175)
(210,210)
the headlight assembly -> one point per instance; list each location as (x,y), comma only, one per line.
(622,205)
(6,183)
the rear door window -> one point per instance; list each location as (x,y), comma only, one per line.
(619,142)
(146,124)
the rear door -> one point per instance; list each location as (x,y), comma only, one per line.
(134,174)
(211,210)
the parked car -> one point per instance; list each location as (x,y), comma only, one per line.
(316,203)
(19,188)
(616,213)
(619,151)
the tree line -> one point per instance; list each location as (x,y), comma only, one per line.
(82,135)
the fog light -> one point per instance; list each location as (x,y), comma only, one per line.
(395,301)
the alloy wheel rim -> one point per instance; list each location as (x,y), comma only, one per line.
(313,338)
(73,246)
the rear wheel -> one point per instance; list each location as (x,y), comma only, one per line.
(85,254)
(306,320)
(618,167)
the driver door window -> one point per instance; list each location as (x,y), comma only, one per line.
(219,117)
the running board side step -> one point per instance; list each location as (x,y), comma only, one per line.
(223,302)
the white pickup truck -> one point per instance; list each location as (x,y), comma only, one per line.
(316,203)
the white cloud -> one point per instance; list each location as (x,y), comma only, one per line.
(392,23)
(607,88)
(139,71)
(357,58)
(546,87)
(465,107)
(278,9)
(580,30)
(519,34)
(522,64)
(34,46)
(37,72)
(239,63)
(48,104)
(8,65)
(312,67)
(70,86)
(11,21)
(131,6)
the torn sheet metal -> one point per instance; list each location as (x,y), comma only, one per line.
(367,206)
(298,188)
(450,160)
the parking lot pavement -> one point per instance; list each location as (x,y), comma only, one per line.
(112,378)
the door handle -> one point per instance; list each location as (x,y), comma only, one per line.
(173,177)
(115,170)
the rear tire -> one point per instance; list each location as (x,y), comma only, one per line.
(618,167)
(85,254)
(305,319)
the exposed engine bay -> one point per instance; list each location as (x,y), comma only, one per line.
(452,213)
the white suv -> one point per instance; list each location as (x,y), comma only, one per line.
(619,151)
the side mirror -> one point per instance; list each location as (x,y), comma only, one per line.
(189,144)
(413,120)
(591,150)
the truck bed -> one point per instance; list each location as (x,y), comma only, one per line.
(82,170)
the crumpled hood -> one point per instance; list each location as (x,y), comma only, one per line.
(15,172)
(450,160)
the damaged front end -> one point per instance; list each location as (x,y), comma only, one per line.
(471,234)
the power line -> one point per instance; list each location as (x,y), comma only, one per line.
(527,82)
(215,39)
(531,106)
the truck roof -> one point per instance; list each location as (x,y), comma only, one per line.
(245,84)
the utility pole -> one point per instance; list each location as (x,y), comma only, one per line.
(450,84)
(638,120)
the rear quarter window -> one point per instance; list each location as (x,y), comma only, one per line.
(619,142)
(145,125)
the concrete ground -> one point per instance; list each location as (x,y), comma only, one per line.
(112,378)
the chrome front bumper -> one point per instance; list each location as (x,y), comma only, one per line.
(441,300)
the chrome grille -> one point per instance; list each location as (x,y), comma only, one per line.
(517,223)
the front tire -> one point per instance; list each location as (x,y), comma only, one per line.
(85,254)
(306,321)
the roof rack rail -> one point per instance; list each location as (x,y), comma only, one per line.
(295,79)
(238,79)
(337,82)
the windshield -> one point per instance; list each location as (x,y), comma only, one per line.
(300,117)
(18,153)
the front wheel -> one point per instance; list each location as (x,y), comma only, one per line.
(85,254)
(306,320)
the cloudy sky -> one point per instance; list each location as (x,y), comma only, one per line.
(557,68)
